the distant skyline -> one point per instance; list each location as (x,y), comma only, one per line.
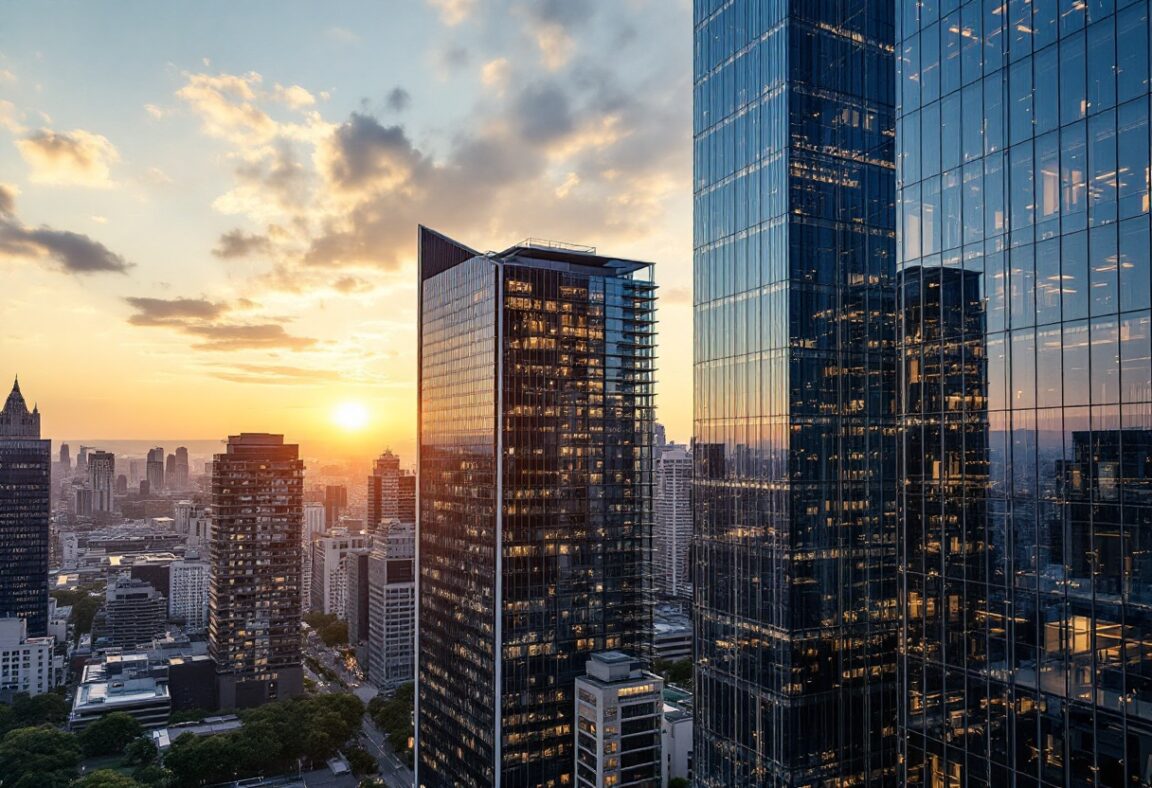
(199,201)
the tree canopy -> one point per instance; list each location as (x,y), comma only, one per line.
(40,757)
(110,734)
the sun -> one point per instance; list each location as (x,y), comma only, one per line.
(351,416)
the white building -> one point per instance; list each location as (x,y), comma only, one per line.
(313,527)
(194,522)
(619,719)
(676,741)
(26,664)
(392,606)
(188,583)
(673,521)
(329,572)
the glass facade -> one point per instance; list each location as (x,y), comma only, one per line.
(25,485)
(795,383)
(1023,183)
(536,369)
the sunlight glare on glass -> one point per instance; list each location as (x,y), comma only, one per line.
(351,416)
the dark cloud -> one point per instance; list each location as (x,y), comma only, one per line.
(75,253)
(237,243)
(399,99)
(543,112)
(7,201)
(453,57)
(173,311)
(282,175)
(364,152)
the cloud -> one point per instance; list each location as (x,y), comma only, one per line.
(451,58)
(543,112)
(174,311)
(351,284)
(293,96)
(494,73)
(399,99)
(7,76)
(210,323)
(10,117)
(453,12)
(365,155)
(78,157)
(70,252)
(342,35)
(273,374)
(237,243)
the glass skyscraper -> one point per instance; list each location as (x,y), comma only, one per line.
(536,367)
(25,485)
(795,381)
(1026,541)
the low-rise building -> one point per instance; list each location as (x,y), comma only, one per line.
(209,726)
(676,735)
(671,634)
(27,665)
(619,716)
(146,699)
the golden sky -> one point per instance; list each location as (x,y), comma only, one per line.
(208,213)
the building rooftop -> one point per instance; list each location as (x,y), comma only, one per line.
(109,694)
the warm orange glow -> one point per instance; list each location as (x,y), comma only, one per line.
(351,416)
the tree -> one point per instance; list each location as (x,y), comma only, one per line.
(109,735)
(29,711)
(40,757)
(361,761)
(679,782)
(141,752)
(106,778)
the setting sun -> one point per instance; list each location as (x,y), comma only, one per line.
(351,416)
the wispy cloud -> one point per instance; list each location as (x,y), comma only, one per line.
(212,325)
(453,12)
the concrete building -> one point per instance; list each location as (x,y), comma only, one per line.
(145,698)
(356,596)
(330,573)
(25,496)
(254,597)
(619,719)
(335,504)
(188,585)
(27,665)
(180,482)
(392,607)
(671,634)
(672,532)
(676,736)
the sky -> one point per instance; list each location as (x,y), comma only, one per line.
(208,210)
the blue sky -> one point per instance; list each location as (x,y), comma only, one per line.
(217,201)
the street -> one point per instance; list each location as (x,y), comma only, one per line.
(393,771)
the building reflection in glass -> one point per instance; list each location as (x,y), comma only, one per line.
(795,425)
(1023,166)
(536,374)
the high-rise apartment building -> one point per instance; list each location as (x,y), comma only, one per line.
(383,491)
(65,457)
(330,571)
(25,495)
(795,548)
(134,612)
(188,591)
(101,480)
(392,606)
(254,596)
(313,527)
(154,471)
(1023,174)
(536,368)
(406,505)
(672,532)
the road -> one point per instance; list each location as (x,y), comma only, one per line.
(393,771)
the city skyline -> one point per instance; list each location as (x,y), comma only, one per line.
(231,217)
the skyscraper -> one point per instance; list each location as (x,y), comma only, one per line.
(1023,141)
(254,597)
(25,492)
(154,472)
(181,481)
(392,607)
(672,533)
(101,479)
(536,368)
(335,502)
(65,456)
(383,491)
(795,548)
